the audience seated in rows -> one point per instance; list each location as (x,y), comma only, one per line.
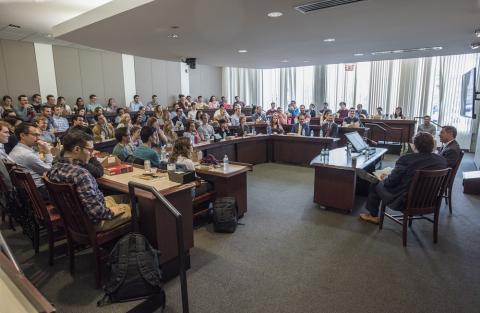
(238,102)
(361,112)
(191,132)
(179,121)
(235,118)
(45,135)
(111,106)
(305,114)
(221,114)
(293,111)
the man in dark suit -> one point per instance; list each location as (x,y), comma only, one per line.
(392,188)
(329,127)
(301,128)
(450,149)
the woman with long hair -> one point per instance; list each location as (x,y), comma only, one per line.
(399,113)
(243,128)
(213,103)
(153,122)
(182,153)
(275,125)
(111,106)
(79,104)
(191,132)
(125,121)
(169,132)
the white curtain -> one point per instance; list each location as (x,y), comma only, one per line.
(420,86)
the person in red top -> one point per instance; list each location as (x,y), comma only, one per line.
(272,109)
(343,112)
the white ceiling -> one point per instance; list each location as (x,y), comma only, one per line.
(214,30)
(36,18)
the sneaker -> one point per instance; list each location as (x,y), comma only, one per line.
(369,218)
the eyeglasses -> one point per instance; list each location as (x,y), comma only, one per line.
(91,150)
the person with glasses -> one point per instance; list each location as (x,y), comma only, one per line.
(102,129)
(24,154)
(104,212)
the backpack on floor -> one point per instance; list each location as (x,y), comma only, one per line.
(134,271)
(225,217)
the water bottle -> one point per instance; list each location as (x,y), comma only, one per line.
(224,136)
(349,149)
(321,132)
(303,130)
(322,155)
(147,166)
(269,130)
(327,155)
(163,153)
(311,133)
(225,163)
(253,131)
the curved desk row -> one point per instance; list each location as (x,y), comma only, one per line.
(268,148)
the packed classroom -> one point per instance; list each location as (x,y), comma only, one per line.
(184,187)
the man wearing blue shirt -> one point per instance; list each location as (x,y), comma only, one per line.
(144,151)
(293,111)
(24,110)
(93,104)
(136,104)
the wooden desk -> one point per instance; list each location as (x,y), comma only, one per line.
(396,130)
(106,145)
(155,221)
(229,183)
(336,181)
(268,148)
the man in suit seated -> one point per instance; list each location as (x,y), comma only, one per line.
(450,149)
(351,120)
(301,128)
(393,188)
(102,129)
(329,127)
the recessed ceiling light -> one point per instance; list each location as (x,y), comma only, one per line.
(407,50)
(242,51)
(274,14)
(284,61)
(358,54)
(173,36)
(329,40)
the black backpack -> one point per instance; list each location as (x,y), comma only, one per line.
(225,217)
(134,271)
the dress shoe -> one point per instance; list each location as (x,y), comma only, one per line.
(369,218)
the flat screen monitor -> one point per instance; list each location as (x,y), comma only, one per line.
(357,141)
(468,94)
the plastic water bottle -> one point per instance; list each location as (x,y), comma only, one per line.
(225,163)
(147,166)
(321,132)
(327,155)
(303,131)
(311,133)
(253,131)
(322,155)
(163,153)
(269,130)
(224,136)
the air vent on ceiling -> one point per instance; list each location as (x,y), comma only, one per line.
(324,4)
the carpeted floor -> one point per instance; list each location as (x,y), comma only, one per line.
(292,256)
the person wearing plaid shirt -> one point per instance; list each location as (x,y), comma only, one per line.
(105,212)
(60,122)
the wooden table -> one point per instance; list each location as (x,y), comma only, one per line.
(268,148)
(230,183)
(336,180)
(155,222)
